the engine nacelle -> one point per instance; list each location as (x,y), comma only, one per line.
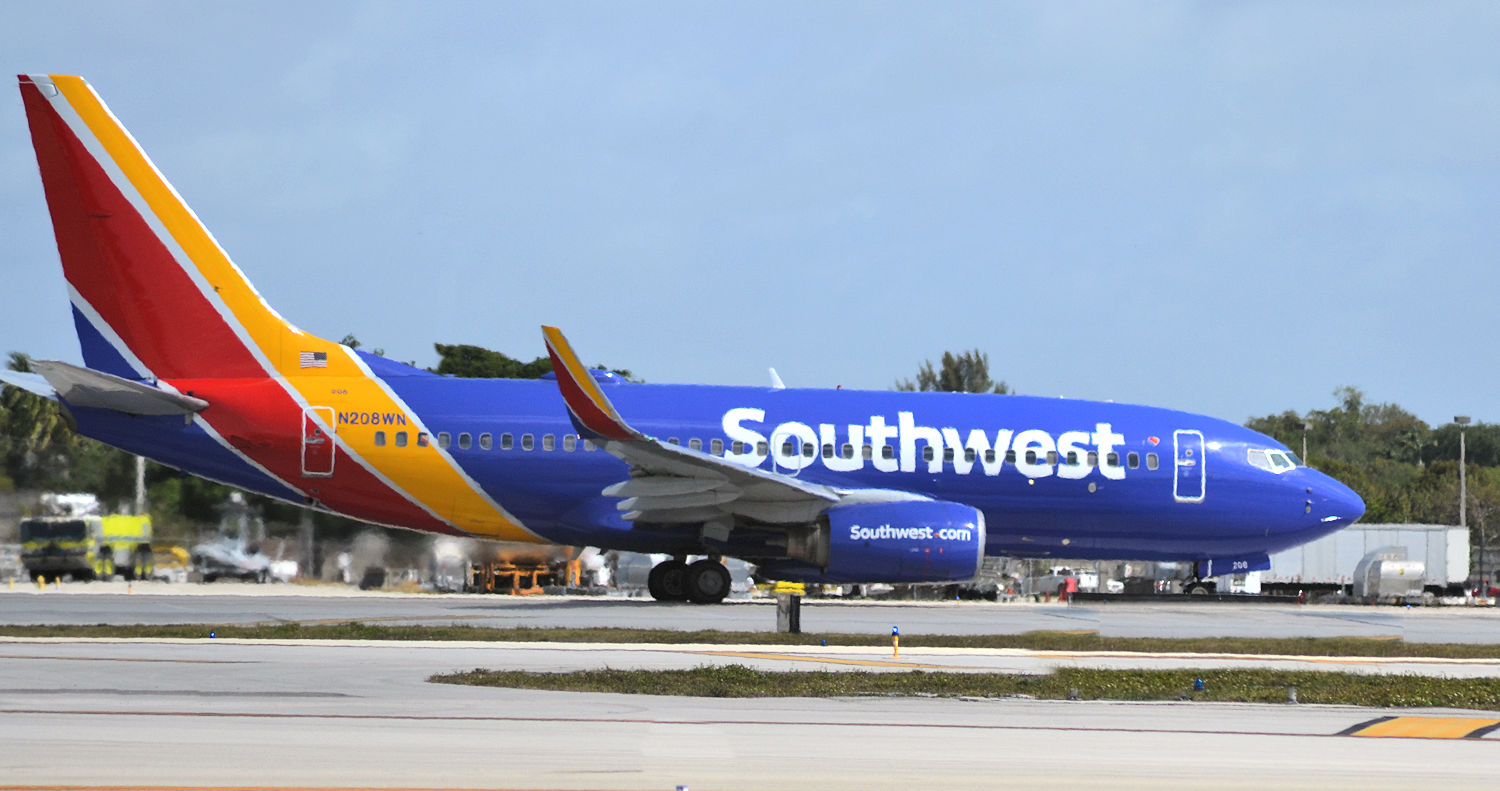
(892,542)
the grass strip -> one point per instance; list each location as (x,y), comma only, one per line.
(1219,686)
(1035,641)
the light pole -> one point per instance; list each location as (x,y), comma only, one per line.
(1306,427)
(1463,494)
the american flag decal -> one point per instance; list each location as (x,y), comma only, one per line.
(313,359)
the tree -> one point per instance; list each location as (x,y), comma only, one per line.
(968,372)
(1353,431)
(39,449)
(464,360)
(476,362)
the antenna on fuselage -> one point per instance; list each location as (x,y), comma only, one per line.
(776,383)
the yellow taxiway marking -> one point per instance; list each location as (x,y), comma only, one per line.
(1424,728)
(825,660)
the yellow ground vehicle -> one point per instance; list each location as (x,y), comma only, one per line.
(87,547)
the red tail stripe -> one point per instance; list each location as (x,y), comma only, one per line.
(117,264)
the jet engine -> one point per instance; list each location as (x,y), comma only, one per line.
(892,542)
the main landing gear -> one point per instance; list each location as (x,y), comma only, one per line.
(703,582)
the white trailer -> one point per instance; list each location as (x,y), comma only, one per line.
(1328,564)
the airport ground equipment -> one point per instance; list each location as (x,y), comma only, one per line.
(72,538)
(1386,576)
(1328,565)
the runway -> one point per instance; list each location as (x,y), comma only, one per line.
(224,713)
(221,603)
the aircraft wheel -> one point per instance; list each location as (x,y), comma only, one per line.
(707,582)
(1196,589)
(668,581)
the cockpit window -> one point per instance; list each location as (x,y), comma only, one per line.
(1273,460)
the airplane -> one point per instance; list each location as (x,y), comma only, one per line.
(186,364)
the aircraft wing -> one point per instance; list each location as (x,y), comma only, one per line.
(670,483)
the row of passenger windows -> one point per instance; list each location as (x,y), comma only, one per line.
(570,443)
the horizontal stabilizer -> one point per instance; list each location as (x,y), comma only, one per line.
(86,387)
(31,383)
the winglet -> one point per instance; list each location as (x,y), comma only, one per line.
(592,412)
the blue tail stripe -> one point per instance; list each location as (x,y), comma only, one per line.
(98,353)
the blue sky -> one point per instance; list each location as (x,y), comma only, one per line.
(1229,208)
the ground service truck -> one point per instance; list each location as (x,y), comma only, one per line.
(74,539)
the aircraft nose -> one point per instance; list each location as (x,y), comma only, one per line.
(1331,502)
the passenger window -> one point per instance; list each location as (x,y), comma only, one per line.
(486,441)
(1133,460)
(695,443)
(1072,458)
(673,441)
(464,441)
(1031,457)
(1010,456)
(809,450)
(1093,458)
(507,441)
(380,439)
(928,454)
(867,452)
(589,445)
(788,448)
(527,442)
(738,447)
(1052,457)
(828,450)
(401,439)
(989,456)
(549,442)
(887,451)
(846,452)
(570,441)
(1112,459)
(762,449)
(444,440)
(421,439)
(716,447)
(1151,461)
(947,454)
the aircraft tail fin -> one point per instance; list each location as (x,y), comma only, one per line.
(153,293)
